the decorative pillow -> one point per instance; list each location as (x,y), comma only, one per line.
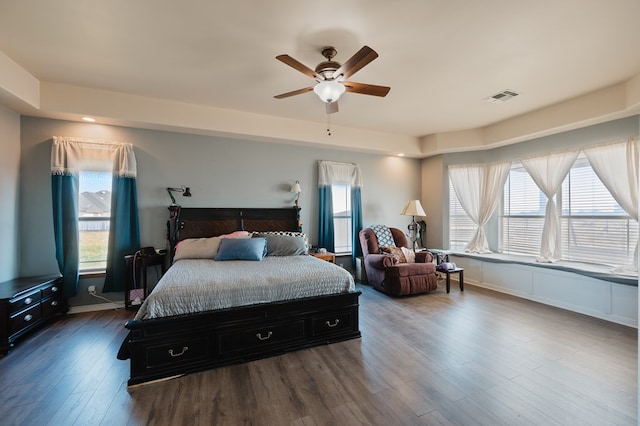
(384,236)
(408,254)
(237,234)
(197,248)
(283,245)
(242,249)
(395,252)
(287,233)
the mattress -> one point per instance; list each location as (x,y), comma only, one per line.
(199,285)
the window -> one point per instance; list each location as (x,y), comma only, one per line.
(341,195)
(94,215)
(594,227)
(461,227)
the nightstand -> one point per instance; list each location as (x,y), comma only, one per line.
(328,256)
(142,264)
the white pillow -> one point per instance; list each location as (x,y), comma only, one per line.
(197,248)
(408,254)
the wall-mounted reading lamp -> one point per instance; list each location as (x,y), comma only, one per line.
(295,188)
(186,192)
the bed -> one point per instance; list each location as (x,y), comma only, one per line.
(258,321)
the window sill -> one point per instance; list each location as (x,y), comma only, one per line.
(92,274)
(601,272)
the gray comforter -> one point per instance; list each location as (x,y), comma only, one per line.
(198,285)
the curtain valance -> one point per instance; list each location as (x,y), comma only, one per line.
(71,155)
(334,173)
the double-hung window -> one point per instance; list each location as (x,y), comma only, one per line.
(94,215)
(461,227)
(341,197)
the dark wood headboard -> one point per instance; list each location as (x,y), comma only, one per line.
(209,222)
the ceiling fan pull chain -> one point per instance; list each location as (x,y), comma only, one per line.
(328,124)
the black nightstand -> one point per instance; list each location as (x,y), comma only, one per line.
(142,264)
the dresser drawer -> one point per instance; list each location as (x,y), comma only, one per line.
(267,335)
(24,301)
(51,306)
(25,318)
(333,322)
(52,291)
(184,352)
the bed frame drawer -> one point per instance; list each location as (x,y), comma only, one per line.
(334,322)
(217,338)
(259,337)
(181,352)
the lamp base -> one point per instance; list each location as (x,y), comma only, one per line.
(413,232)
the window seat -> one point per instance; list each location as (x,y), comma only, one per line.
(587,289)
(601,272)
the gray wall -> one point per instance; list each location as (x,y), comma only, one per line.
(436,168)
(221,173)
(9,182)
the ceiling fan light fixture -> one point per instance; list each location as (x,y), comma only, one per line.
(329,90)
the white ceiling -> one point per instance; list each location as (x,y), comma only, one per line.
(440,58)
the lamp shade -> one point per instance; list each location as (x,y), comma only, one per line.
(329,90)
(296,187)
(413,208)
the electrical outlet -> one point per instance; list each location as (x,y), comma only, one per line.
(92,289)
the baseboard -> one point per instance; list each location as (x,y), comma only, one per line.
(96,307)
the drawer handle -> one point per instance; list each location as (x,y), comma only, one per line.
(267,337)
(28,301)
(184,349)
(54,303)
(54,289)
(334,324)
(28,317)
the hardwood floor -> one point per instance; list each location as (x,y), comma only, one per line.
(469,358)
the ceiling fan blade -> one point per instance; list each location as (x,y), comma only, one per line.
(299,66)
(366,89)
(356,62)
(293,93)
(332,107)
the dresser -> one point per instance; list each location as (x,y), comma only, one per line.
(26,303)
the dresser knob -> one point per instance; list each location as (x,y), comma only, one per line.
(54,289)
(54,303)
(28,317)
(28,301)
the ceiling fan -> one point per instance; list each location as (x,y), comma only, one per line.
(331,77)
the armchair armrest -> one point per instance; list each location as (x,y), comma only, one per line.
(424,257)
(380,261)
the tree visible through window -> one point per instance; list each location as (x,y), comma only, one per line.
(341,195)
(94,215)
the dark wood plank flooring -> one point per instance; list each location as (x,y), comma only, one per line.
(471,358)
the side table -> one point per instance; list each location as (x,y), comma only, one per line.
(448,272)
(142,264)
(328,256)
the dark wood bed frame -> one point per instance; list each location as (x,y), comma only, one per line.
(165,348)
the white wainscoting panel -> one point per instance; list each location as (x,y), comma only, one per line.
(575,292)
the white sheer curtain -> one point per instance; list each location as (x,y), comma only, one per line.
(548,172)
(478,188)
(616,165)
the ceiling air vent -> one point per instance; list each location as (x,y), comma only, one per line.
(503,96)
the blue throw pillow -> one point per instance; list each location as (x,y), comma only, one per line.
(242,249)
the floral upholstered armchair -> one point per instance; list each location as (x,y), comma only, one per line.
(390,264)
